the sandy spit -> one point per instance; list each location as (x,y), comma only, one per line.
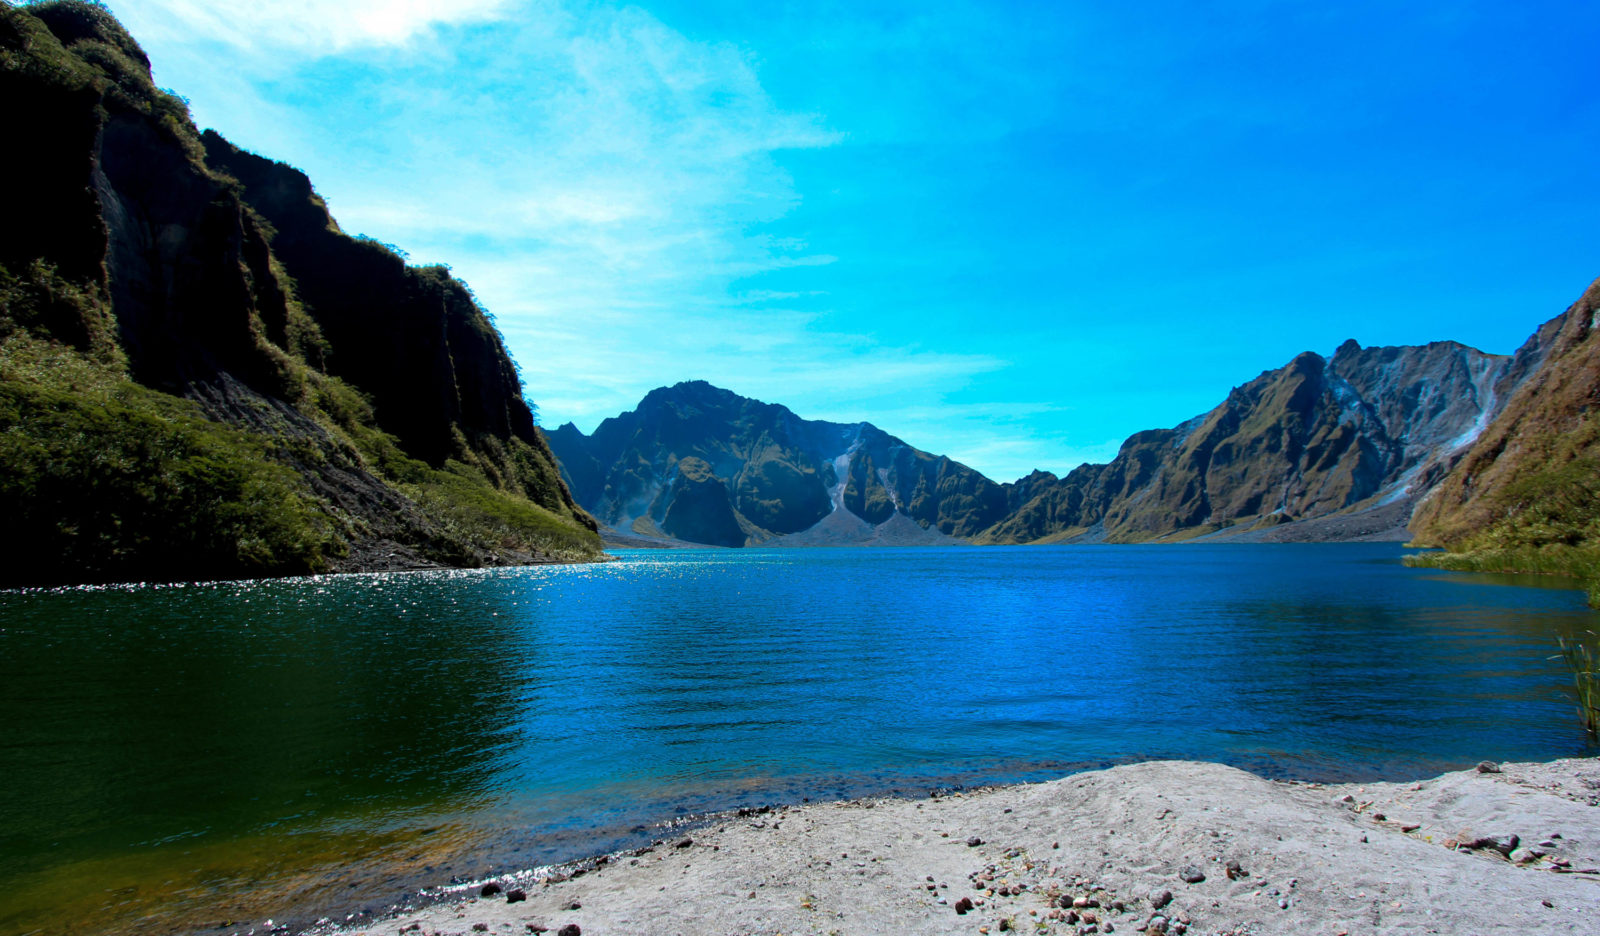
(1161,847)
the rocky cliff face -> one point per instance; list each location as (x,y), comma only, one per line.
(783,475)
(345,409)
(1532,477)
(1323,448)
(1364,428)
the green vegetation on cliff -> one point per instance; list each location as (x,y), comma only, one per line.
(174,405)
(1526,496)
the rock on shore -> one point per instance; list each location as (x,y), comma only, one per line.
(1161,847)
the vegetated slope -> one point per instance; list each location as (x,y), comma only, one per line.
(1526,495)
(702,464)
(1364,430)
(200,376)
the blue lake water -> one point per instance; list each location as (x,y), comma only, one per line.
(185,757)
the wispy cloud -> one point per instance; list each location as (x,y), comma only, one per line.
(317,27)
(600,179)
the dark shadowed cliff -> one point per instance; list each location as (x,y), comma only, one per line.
(201,376)
(784,479)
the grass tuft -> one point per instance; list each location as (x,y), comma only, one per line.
(1582,662)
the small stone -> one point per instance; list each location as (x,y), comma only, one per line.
(1005,922)
(516,895)
(1410,827)
(1488,767)
(1235,872)
(573,906)
(1379,816)
(480,927)
(1548,904)
(1345,800)
(1156,924)
(1363,838)
(1161,898)
(490,889)
(974,842)
(1504,844)
(1106,927)
(1283,904)
(1080,902)
(963,905)
(685,843)
(1548,845)
(571,929)
(1191,874)
(1524,856)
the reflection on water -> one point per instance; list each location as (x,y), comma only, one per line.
(179,757)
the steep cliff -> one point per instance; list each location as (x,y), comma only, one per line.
(1320,436)
(1531,480)
(200,376)
(784,476)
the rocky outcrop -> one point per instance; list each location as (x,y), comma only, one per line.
(696,507)
(784,476)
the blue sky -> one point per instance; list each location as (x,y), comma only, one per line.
(1009,233)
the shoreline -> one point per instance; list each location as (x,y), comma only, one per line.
(1515,848)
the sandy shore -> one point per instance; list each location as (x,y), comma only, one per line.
(1174,847)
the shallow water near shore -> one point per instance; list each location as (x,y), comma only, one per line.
(176,758)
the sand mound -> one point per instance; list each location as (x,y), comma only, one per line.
(1173,847)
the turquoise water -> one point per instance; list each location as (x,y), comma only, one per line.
(178,757)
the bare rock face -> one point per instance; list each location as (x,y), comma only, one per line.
(784,476)
(1528,478)
(1320,436)
(1334,447)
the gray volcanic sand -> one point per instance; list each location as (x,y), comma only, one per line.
(1311,858)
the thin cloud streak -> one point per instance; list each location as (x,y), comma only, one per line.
(304,27)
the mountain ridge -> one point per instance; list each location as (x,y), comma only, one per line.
(1360,434)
